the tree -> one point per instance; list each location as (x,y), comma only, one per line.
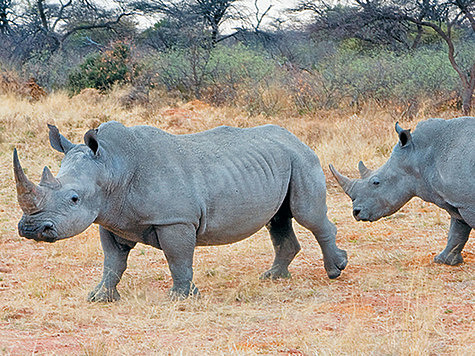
(394,19)
(43,25)
(340,22)
(203,17)
(180,26)
(443,17)
(65,19)
(5,14)
(214,12)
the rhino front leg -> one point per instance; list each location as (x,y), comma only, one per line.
(458,236)
(116,250)
(178,244)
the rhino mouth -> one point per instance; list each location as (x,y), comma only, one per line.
(43,232)
(361,214)
(368,218)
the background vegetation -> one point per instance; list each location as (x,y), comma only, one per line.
(400,54)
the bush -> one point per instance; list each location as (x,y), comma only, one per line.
(103,70)
(215,74)
(339,77)
(350,78)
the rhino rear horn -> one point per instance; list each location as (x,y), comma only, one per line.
(47,179)
(29,194)
(345,182)
(364,171)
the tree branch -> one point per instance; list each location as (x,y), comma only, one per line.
(41,12)
(60,13)
(261,17)
(239,30)
(450,44)
(107,24)
(466,12)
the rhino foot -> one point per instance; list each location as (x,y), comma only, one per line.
(276,273)
(336,263)
(103,295)
(450,259)
(181,293)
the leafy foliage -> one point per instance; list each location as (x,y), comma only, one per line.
(215,73)
(102,70)
(351,55)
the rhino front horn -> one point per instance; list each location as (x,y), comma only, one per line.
(364,172)
(345,182)
(29,195)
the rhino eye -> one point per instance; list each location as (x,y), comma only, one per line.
(375,181)
(75,198)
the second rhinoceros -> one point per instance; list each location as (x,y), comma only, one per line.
(175,192)
(437,164)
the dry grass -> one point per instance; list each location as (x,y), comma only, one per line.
(11,84)
(391,299)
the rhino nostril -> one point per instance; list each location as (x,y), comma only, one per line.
(47,226)
(356,212)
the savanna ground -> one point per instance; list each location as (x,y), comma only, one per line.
(391,299)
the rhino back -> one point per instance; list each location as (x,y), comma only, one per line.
(228,182)
(446,150)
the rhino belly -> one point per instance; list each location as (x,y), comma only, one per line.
(237,216)
(227,229)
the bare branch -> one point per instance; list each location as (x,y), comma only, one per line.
(107,24)
(259,18)
(466,11)
(60,14)
(41,12)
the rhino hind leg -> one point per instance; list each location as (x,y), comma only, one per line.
(285,243)
(116,250)
(178,244)
(458,236)
(308,207)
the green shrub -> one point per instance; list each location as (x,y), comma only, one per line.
(216,74)
(102,70)
(385,76)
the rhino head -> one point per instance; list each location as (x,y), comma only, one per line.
(65,206)
(384,191)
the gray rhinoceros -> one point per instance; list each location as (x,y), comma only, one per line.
(175,192)
(437,164)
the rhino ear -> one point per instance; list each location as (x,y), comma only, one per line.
(90,139)
(58,141)
(405,136)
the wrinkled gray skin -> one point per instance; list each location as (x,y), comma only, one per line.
(175,192)
(437,164)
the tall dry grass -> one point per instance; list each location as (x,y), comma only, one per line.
(391,299)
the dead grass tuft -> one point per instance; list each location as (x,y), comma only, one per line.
(11,84)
